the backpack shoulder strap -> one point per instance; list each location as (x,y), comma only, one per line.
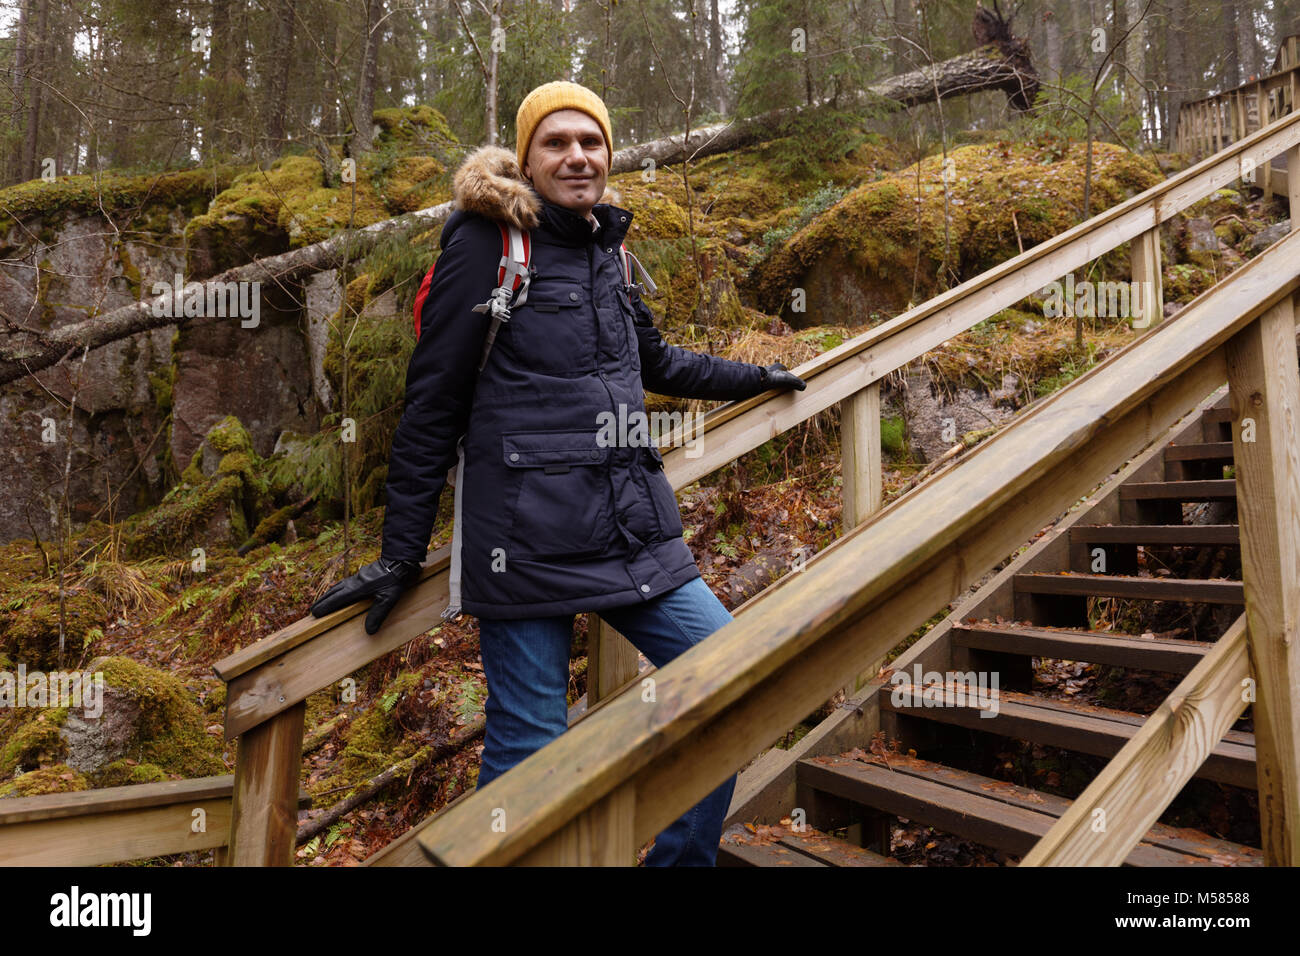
(647,285)
(512,277)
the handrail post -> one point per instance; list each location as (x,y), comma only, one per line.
(860,469)
(1144,259)
(1293,183)
(860,455)
(264,818)
(1265,99)
(1264,388)
(612,661)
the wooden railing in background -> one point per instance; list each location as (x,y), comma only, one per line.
(1211,124)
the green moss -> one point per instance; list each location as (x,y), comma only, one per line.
(114,193)
(29,622)
(124,772)
(229,435)
(193,474)
(1000,197)
(238,484)
(374,740)
(891,434)
(235,462)
(35,743)
(57,779)
(170,731)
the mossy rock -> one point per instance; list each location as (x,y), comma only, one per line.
(149,717)
(267,212)
(883,245)
(29,622)
(35,743)
(147,195)
(418,130)
(57,779)
(223,490)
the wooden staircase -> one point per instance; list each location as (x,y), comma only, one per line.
(915,758)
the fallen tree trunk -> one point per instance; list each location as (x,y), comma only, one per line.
(1003,62)
(372,787)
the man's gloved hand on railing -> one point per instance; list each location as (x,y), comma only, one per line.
(777,376)
(383,579)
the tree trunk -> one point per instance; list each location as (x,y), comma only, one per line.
(1135,50)
(904,31)
(37,44)
(363,129)
(1180,78)
(1053,51)
(715,59)
(333,39)
(279,88)
(17,172)
(1232,62)
(493,70)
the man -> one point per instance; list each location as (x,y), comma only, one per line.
(555,522)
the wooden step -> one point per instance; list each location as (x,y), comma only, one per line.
(781,846)
(1195,590)
(1167,655)
(1192,535)
(991,812)
(1200,451)
(1217,414)
(1208,489)
(1083,728)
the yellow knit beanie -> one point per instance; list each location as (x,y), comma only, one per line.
(560,95)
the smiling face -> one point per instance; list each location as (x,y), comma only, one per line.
(567,160)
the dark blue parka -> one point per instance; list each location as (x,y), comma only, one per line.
(554,523)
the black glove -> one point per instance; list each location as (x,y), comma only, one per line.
(384,579)
(776,376)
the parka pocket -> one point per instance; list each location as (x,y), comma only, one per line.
(553,331)
(564,507)
(661,492)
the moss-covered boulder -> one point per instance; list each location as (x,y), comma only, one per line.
(296,202)
(30,620)
(896,240)
(36,743)
(147,724)
(224,492)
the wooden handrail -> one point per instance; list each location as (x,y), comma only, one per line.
(632,767)
(117,824)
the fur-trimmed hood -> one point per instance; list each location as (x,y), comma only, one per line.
(489,182)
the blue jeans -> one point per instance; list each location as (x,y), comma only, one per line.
(527,667)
